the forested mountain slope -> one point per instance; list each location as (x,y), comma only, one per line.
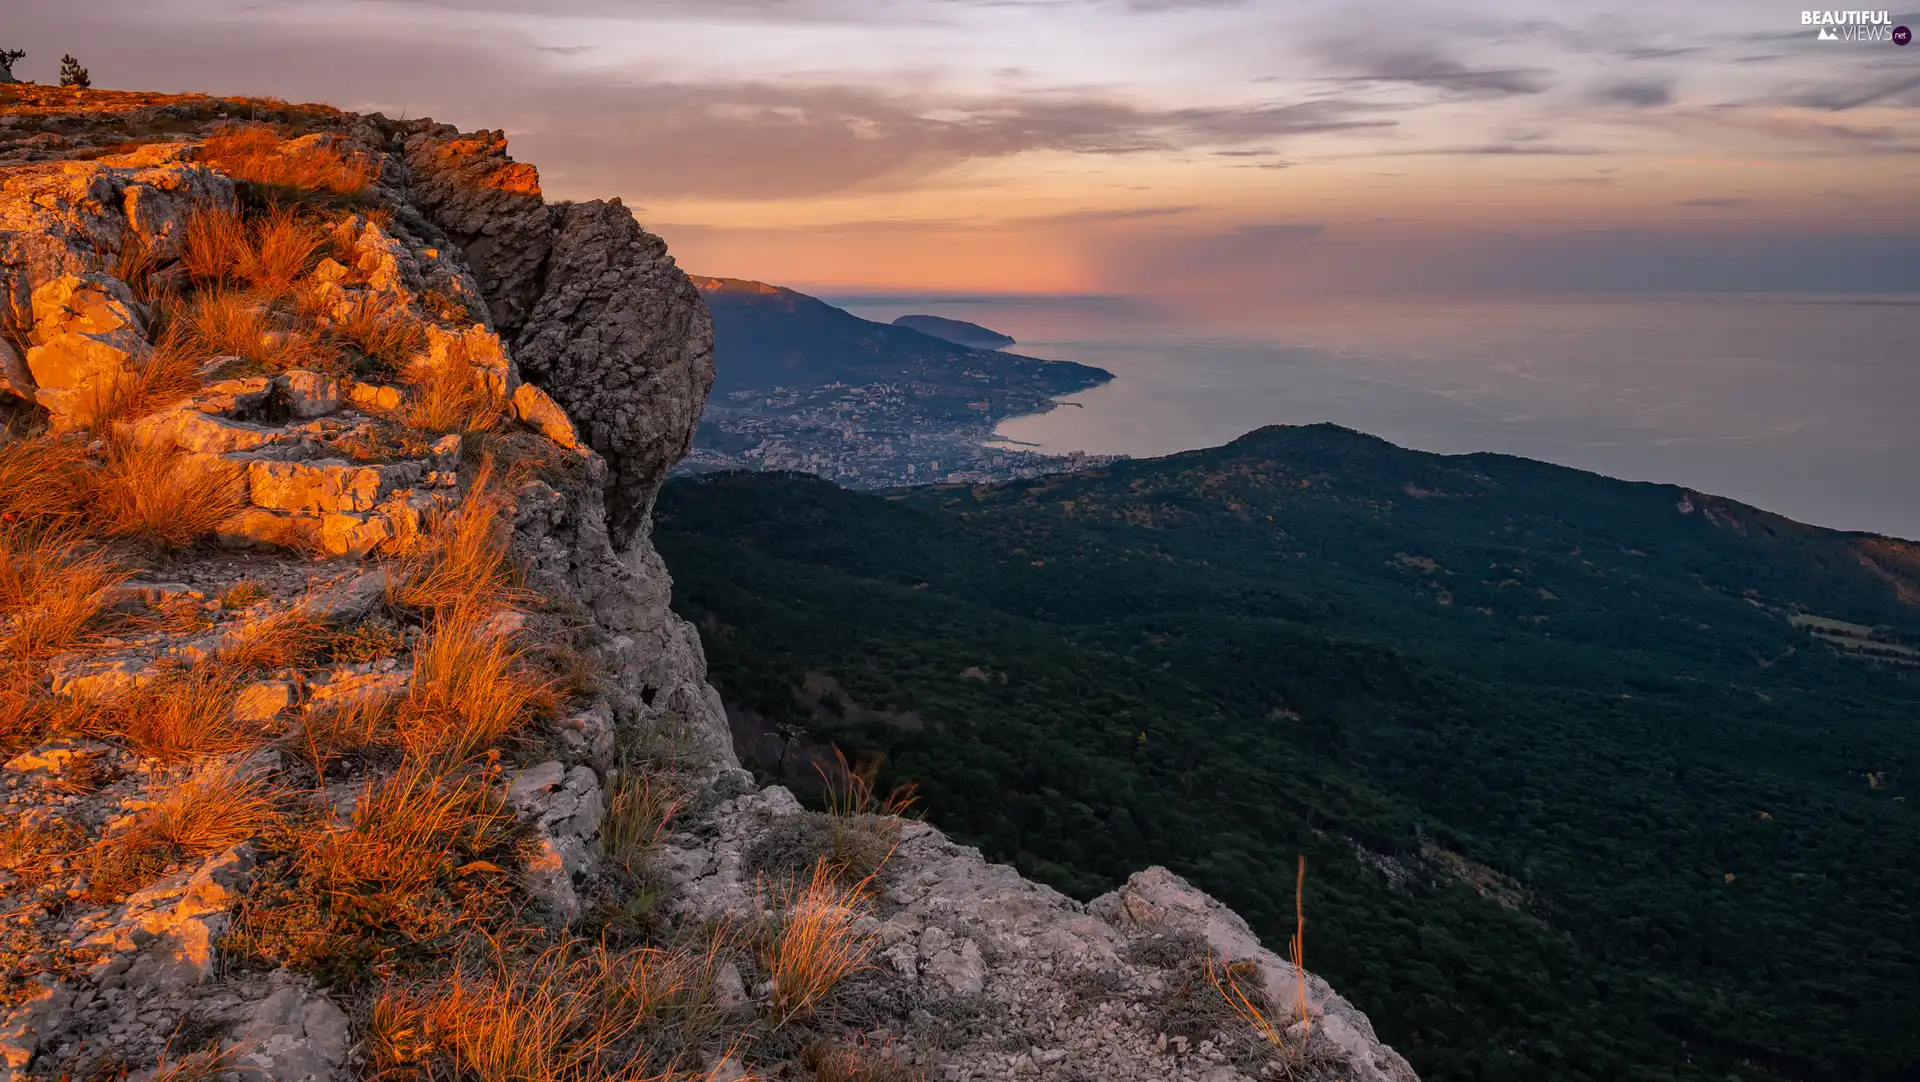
(1596,780)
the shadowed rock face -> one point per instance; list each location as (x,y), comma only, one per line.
(621,339)
(599,315)
(491,206)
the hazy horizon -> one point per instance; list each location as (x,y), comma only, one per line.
(1799,405)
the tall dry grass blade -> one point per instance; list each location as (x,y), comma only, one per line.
(639,811)
(817,944)
(282,247)
(471,689)
(145,492)
(850,791)
(257,153)
(383,329)
(161,377)
(54,592)
(42,482)
(214,244)
(463,565)
(454,395)
(289,638)
(404,840)
(198,813)
(180,715)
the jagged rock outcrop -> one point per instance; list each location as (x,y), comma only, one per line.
(986,975)
(621,339)
(283,661)
(491,206)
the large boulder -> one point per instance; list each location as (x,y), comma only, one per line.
(621,339)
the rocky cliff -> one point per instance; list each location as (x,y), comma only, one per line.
(347,728)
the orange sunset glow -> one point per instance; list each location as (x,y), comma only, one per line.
(1150,146)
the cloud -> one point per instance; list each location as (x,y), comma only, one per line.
(762,141)
(1121,214)
(1903,90)
(1717,202)
(1640,93)
(1370,61)
(1651,52)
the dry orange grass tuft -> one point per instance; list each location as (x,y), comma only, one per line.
(162,377)
(525,1021)
(54,592)
(463,563)
(454,396)
(214,244)
(815,943)
(471,689)
(383,329)
(182,714)
(413,866)
(1225,976)
(638,813)
(291,637)
(350,726)
(269,253)
(596,1016)
(284,247)
(856,1063)
(850,792)
(224,322)
(147,493)
(257,153)
(242,594)
(42,482)
(205,811)
(405,831)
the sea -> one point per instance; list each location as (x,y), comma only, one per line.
(1805,405)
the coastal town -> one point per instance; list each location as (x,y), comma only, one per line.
(881,435)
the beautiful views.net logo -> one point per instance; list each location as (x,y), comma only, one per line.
(1855,26)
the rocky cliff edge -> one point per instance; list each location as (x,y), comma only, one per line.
(347,728)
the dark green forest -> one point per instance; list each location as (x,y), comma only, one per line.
(1581,796)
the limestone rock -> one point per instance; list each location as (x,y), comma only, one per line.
(536,409)
(15,378)
(1160,899)
(293,1035)
(187,428)
(44,1012)
(327,485)
(311,394)
(621,339)
(492,207)
(476,347)
(86,336)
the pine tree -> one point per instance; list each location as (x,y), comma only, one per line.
(8,57)
(73,75)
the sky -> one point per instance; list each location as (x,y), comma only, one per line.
(1203,147)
